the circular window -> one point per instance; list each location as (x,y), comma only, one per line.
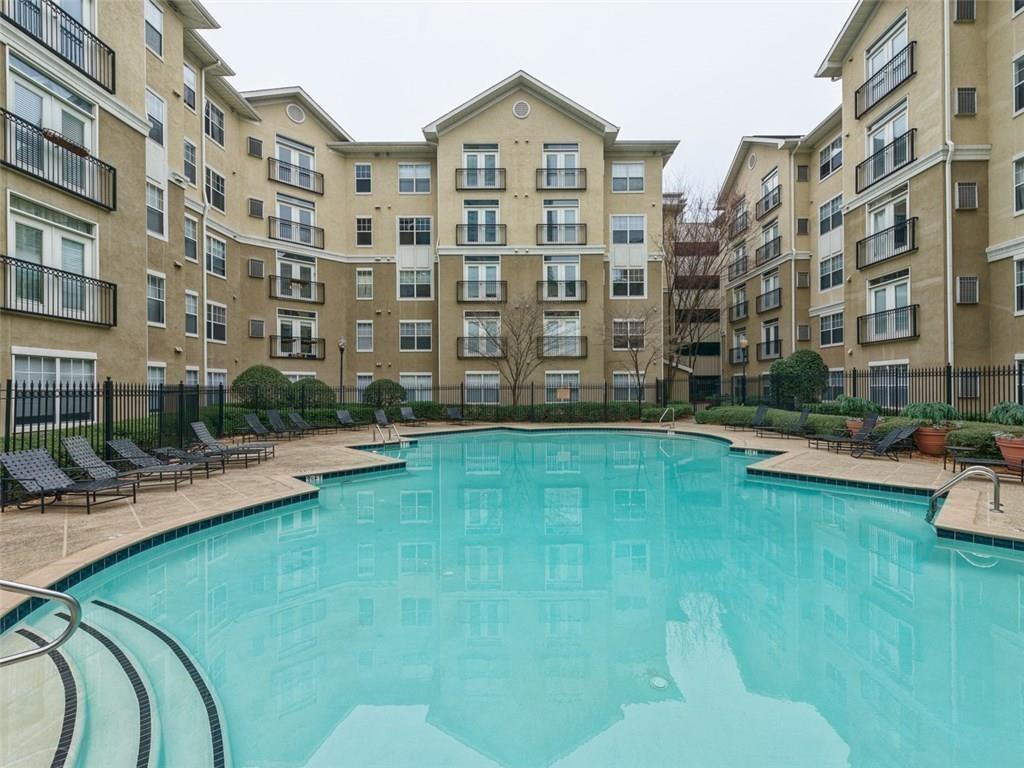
(752,160)
(295,113)
(521,109)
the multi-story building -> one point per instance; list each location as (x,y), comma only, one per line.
(163,226)
(901,241)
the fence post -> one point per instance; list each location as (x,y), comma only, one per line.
(532,415)
(854,375)
(220,410)
(949,384)
(302,401)
(180,432)
(8,414)
(462,397)
(606,401)
(108,414)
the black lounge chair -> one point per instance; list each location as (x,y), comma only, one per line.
(381,418)
(131,454)
(345,420)
(889,445)
(39,476)
(278,425)
(786,430)
(82,455)
(407,416)
(210,446)
(192,457)
(755,423)
(304,425)
(257,429)
(838,442)
(455,414)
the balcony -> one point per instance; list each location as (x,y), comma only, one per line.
(893,73)
(768,203)
(769,300)
(739,310)
(737,268)
(561,290)
(283,287)
(295,232)
(480,234)
(491,347)
(55,29)
(739,223)
(769,350)
(561,178)
(301,347)
(561,346)
(295,175)
(56,160)
(887,244)
(467,179)
(897,154)
(890,325)
(561,234)
(770,250)
(494,291)
(33,289)
(738,355)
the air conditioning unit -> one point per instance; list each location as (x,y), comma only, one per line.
(256,268)
(966,195)
(968,289)
(255,208)
(965,10)
(966,101)
(803,333)
(257,329)
(802,173)
(255,147)
(803,279)
(802,226)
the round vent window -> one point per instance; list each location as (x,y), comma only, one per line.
(752,160)
(295,113)
(521,109)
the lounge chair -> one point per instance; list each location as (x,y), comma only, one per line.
(455,414)
(889,445)
(345,420)
(278,425)
(39,476)
(756,422)
(786,430)
(210,446)
(138,458)
(257,429)
(407,416)
(839,442)
(381,418)
(304,425)
(167,453)
(82,455)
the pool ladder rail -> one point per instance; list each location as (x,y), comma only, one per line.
(392,431)
(74,619)
(670,426)
(974,471)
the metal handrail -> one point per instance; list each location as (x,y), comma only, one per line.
(74,612)
(665,413)
(963,475)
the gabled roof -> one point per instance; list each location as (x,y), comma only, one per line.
(296,93)
(778,142)
(826,129)
(193,14)
(529,83)
(837,55)
(200,52)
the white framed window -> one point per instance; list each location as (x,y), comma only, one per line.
(296,163)
(155,113)
(830,158)
(831,329)
(483,388)
(481,220)
(215,189)
(1018,286)
(563,564)
(628,333)
(414,230)
(414,335)
(189,164)
(830,269)
(156,377)
(156,299)
(414,178)
(482,332)
(56,372)
(216,256)
(366,561)
(189,81)
(561,164)
(296,334)
(889,384)
(628,230)
(1018,185)
(154,209)
(834,385)
(830,215)
(629,282)
(416,507)
(296,220)
(626,386)
(415,557)
(562,334)
(191,236)
(364,178)
(415,283)
(191,313)
(191,376)
(154,28)
(561,386)
(216,322)
(364,231)
(213,122)
(628,177)
(363,380)
(364,284)
(364,336)
(1018,85)
(418,387)
(480,167)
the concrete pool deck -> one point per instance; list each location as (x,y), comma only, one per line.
(41,549)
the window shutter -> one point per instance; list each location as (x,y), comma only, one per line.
(256,329)
(802,173)
(966,195)
(964,10)
(967,100)
(255,208)
(803,333)
(255,147)
(803,279)
(967,289)
(256,268)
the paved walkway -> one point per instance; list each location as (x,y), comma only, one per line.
(42,548)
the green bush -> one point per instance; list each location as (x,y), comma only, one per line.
(654,412)
(932,414)
(384,392)
(1008,413)
(855,407)
(260,386)
(980,436)
(799,378)
(310,393)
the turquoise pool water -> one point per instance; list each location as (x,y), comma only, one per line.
(581,599)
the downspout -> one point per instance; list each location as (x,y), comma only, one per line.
(792,261)
(201,245)
(950,147)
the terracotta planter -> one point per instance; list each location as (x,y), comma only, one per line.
(931,440)
(854,425)
(1012,450)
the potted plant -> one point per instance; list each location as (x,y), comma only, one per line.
(1011,445)
(936,421)
(854,409)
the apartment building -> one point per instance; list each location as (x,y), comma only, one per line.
(163,226)
(903,205)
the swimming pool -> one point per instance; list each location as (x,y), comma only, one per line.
(572,598)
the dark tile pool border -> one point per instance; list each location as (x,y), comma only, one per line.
(837,483)
(951,534)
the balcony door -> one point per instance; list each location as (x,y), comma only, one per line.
(482,274)
(481,222)
(296,334)
(483,331)
(481,164)
(881,55)
(561,277)
(770,282)
(561,165)
(888,305)
(297,219)
(296,164)
(560,220)
(32,287)
(561,334)
(770,339)
(882,136)
(892,214)
(295,278)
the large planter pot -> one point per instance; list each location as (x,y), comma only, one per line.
(854,425)
(1012,449)
(931,440)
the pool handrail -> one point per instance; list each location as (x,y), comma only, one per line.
(963,474)
(665,413)
(74,619)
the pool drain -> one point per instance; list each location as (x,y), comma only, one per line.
(659,683)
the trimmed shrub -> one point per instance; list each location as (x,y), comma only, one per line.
(980,436)
(384,392)
(260,386)
(933,414)
(653,412)
(311,393)
(1008,413)
(855,407)
(799,378)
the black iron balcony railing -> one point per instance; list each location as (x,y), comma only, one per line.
(57,30)
(737,268)
(56,160)
(769,300)
(33,289)
(295,175)
(481,290)
(738,355)
(772,199)
(739,223)
(739,310)
(305,347)
(561,178)
(296,232)
(480,234)
(887,243)
(561,234)
(561,346)
(480,346)
(886,161)
(479,178)
(769,350)
(770,250)
(284,287)
(893,73)
(561,290)
(890,325)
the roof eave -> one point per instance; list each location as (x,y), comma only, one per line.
(298,93)
(837,55)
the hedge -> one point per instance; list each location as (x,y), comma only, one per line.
(654,412)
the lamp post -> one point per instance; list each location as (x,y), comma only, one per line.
(743,352)
(341,368)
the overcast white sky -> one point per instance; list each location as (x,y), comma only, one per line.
(705,73)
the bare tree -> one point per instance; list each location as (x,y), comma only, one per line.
(512,343)
(638,335)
